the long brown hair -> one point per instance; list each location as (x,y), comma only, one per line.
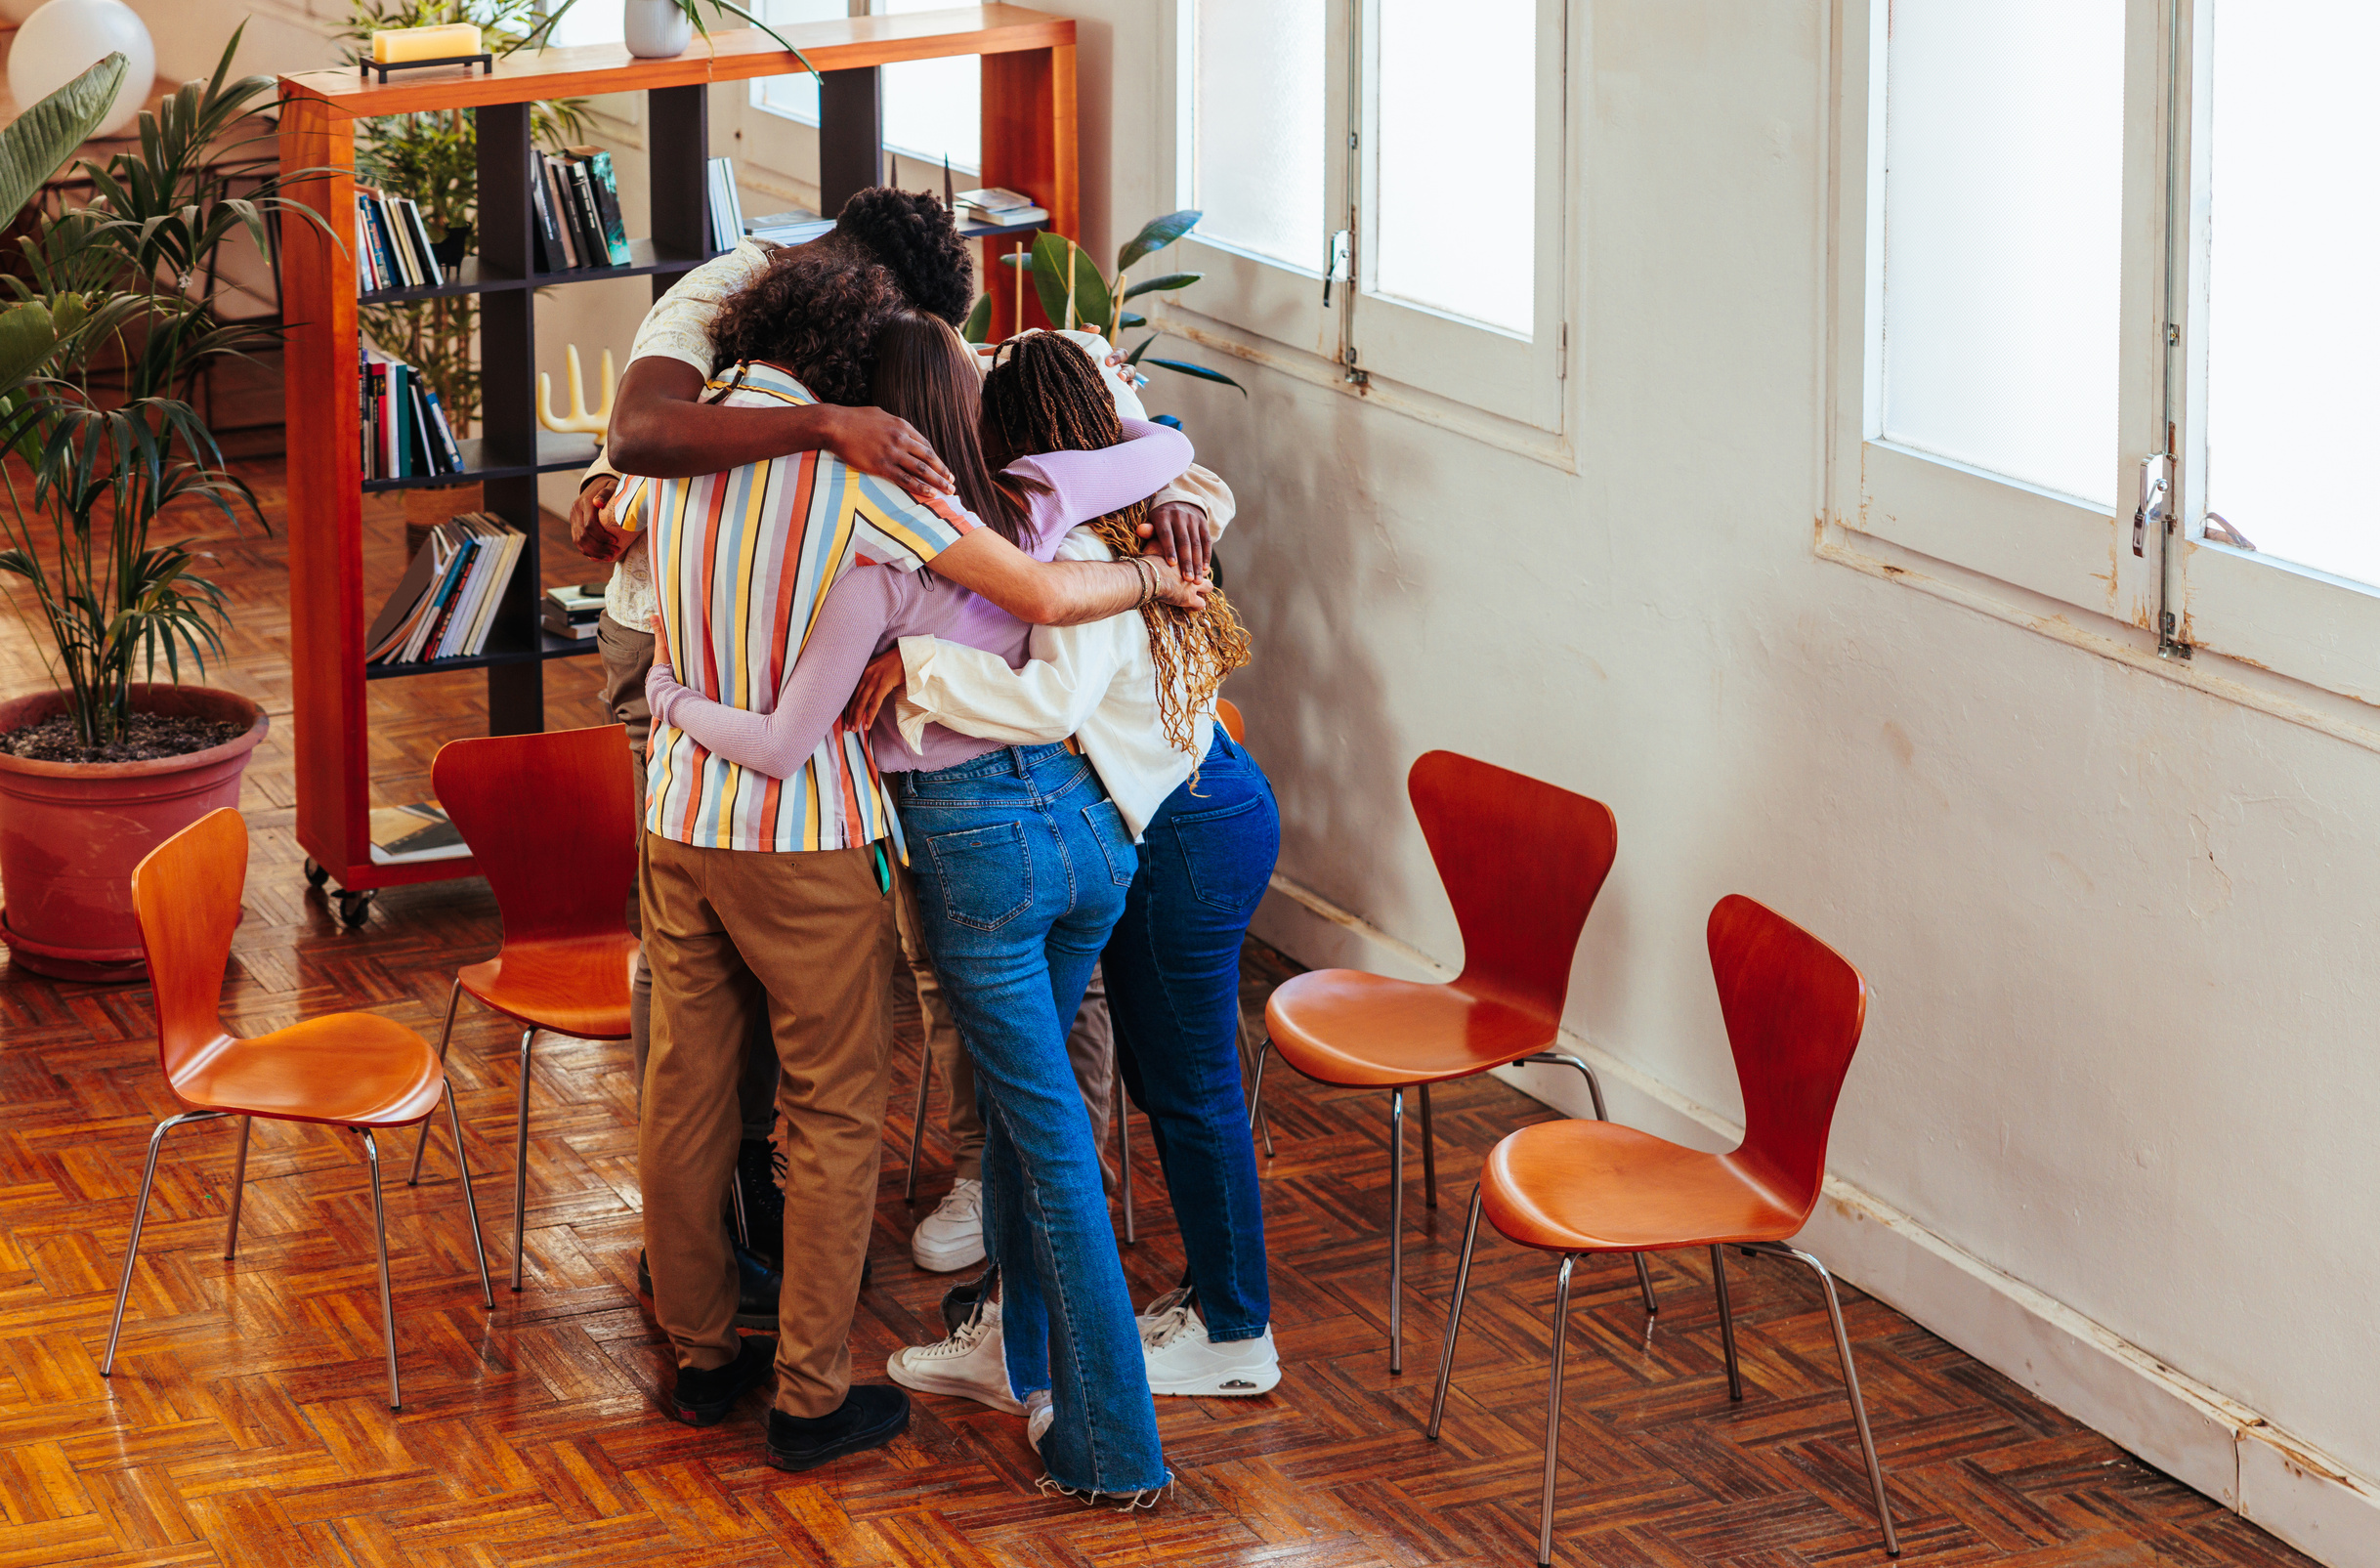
(925,373)
(1043,394)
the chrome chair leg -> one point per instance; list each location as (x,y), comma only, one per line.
(735,1200)
(520,1164)
(1430,1156)
(1726,1323)
(1123,1159)
(1396,1231)
(1256,1122)
(471,1204)
(455,994)
(1454,1318)
(916,1123)
(380,1233)
(140,1211)
(239,1189)
(1554,1412)
(1594,1092)
(1851,1385)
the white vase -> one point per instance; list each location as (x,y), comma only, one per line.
(656,30)
(66,39)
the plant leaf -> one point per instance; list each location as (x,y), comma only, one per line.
(979,322)
(1170,281)
(1093,306)
(1154,236)
(38,143)
(1134,357)
(27,334)
(1201,372)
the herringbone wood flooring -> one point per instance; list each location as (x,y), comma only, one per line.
(246,1422)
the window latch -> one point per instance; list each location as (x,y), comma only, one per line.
(1334,262)
(2156,479)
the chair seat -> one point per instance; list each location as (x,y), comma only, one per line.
(1355,1029)
(577,988)
(356,1070)
(1600,1187)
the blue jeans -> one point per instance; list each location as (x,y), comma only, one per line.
(1021,865)
(1172,971)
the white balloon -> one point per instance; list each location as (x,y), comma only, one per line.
(66,39)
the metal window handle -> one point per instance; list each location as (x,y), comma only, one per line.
(1334,261)
(2156,473)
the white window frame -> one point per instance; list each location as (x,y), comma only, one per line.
(1375,342)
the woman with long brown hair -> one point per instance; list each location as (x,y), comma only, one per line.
(1021,863)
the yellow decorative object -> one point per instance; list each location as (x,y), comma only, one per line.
(578,421)
(445,41)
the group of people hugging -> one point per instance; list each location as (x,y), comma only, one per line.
(919,651)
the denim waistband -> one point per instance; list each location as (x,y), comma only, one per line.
(1015,761)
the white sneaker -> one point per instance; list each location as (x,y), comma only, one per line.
(970,1364)
(1039,1411)
(952,1237)
(1182,1359)
(1157,1317)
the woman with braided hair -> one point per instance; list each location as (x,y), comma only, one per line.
(1021,863)
(1138,693)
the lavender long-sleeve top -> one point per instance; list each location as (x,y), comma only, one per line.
(871,607)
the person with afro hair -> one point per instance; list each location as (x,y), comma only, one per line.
(913,236)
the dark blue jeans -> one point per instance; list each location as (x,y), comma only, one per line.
(1021,863)
(1172,971)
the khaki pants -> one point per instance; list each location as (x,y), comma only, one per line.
(807,941)
(1091,1047)
(627,657)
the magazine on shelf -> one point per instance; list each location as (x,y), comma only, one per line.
(419,831)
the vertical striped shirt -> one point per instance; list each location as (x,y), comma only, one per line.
(740,562)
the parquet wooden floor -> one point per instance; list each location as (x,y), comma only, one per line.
(246,1422)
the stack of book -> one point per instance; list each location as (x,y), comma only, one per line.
(573,199)
(420,831)
(572,612)
(994,210)
(448,601)
(391,245)
(796,226)
(726,207)
(405,433)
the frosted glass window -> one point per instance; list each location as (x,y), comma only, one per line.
(1455,160)
(1256,111)
(2290,333)
(586,23)
(932,108)
(2002,235)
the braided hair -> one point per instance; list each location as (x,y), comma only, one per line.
(1043,394)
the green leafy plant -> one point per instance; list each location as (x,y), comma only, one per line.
(433,158)
(1075,292)
(109,289)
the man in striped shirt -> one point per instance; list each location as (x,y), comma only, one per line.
(762,893)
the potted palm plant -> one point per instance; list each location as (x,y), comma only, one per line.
(98,342)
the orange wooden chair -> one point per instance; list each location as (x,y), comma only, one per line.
(551,819)
(1522,862)
(349,1070)
(1794,1008)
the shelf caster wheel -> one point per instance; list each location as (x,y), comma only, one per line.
(353,907)
(315,875)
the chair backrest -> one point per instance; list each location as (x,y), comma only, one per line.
(1794,1008)
(551,819)
(1227,714)
(185,894)
(1522,862)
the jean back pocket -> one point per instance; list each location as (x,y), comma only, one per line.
(1115,841)
(1229,853)
(985,873)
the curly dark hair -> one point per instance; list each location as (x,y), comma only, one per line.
(817,313)
(913,234)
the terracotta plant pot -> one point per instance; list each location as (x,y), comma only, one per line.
(70,832)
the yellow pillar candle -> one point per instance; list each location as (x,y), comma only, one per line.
(443,42)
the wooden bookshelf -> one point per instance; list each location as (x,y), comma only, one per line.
(1028,62)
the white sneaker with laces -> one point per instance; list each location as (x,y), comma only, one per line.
(1182,1359)
(952,1237)
(970,1364)
(1039,1411)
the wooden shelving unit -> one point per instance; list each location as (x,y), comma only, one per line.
(1027,62)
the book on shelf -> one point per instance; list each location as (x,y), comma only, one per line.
(391,244)
(419,831)
(605,183)
(564,229)
(404,427)
(994,207)
(572,611)
(796,227)
(575,210)
(726,206)
(446,604)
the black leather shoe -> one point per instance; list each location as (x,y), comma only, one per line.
(872,1416)
(959,1302)
(705,1397)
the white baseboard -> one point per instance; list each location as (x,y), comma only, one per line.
(2211,1443)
